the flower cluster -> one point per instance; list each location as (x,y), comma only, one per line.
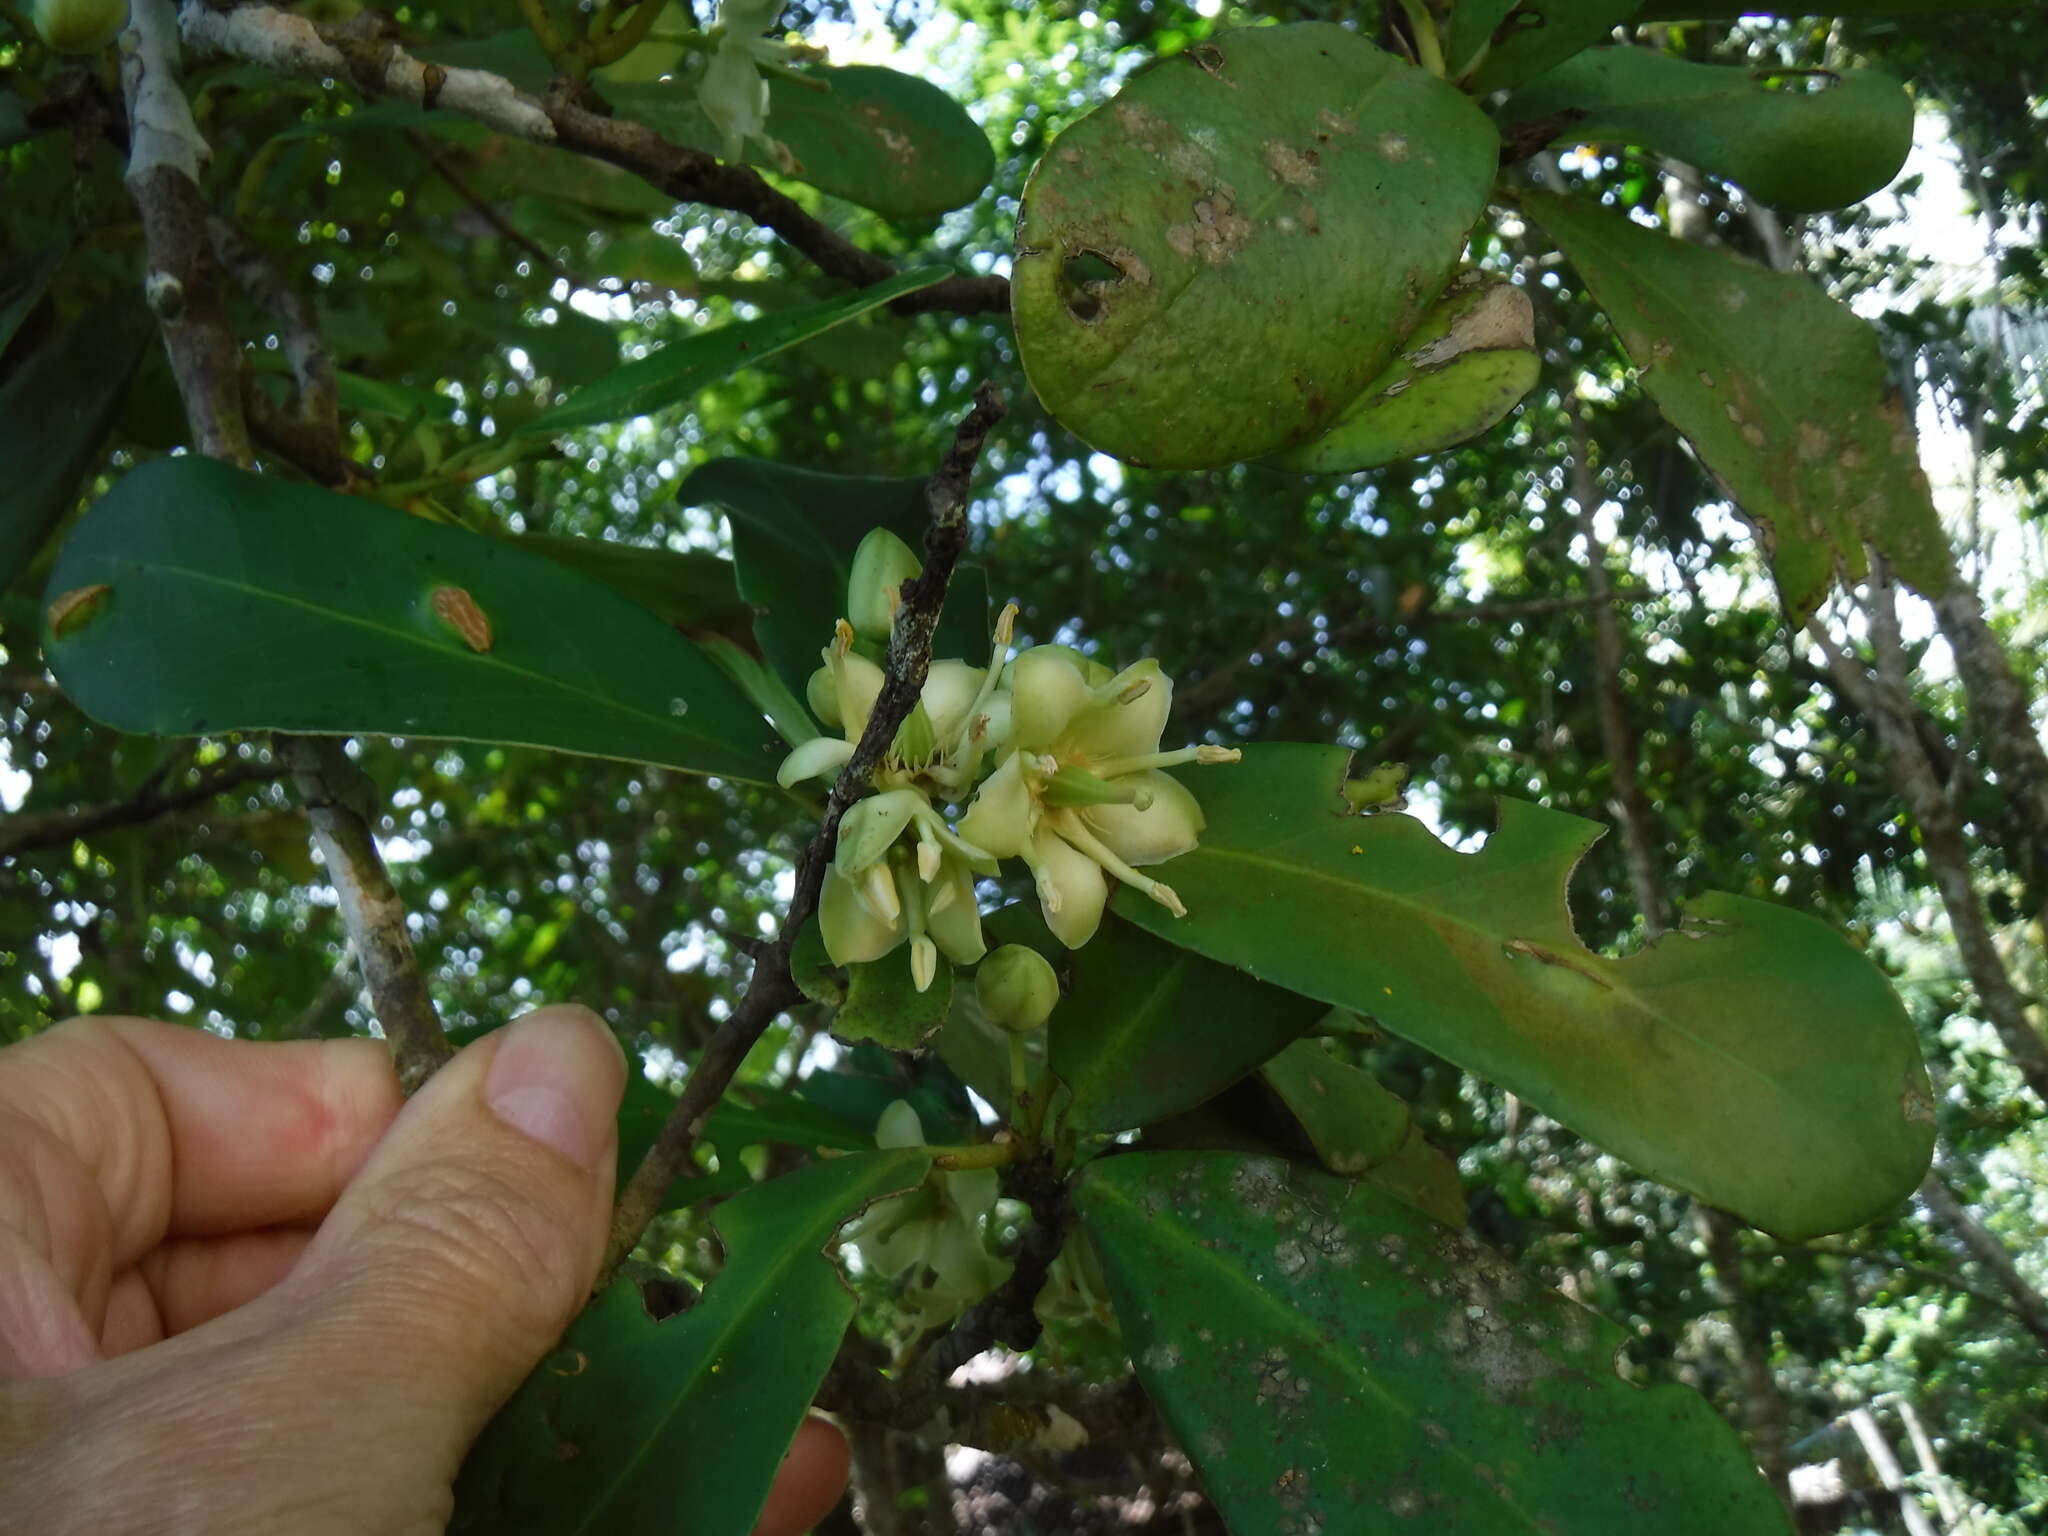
(933,1234)
(1077,790)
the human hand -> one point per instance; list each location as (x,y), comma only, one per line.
(243,1290)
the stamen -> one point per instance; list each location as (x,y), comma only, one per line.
(877,890)
(1113,767)
(1068,826)
(924,963)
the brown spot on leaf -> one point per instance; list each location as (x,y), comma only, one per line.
(1215,234)
(1393,146)
(1294,167)
(71,611)
(454,607)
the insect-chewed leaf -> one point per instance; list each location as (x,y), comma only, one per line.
(1753,1057)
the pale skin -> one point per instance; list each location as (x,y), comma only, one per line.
(244,1288)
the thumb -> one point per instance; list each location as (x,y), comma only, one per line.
(473,1233)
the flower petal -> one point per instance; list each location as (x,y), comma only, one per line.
(851,932)
(1075,881)
(950,688)
(1166,829)
(870,826)
(1046,691)
(821,754)
(955,925)
(1122,729)
(1002,814)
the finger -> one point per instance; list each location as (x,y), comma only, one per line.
(811,1481)
(187,1134)
(188,1281)
(472,1234)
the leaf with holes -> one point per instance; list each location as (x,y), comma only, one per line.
(616,1428)
(1334,1361)
(1753,1057)
(1270,212)
(240,602)
(1799,142)
(1783,393)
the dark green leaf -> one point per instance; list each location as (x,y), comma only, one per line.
(1333,1361)
(883,1003)
(1541,34)
(1782,391)
(379,397)
(679,1426)
(1753,1058)
(794,532)
(676,372)
(876,137)
(693,590)
(749,1115)
(1146,1029)
(241,602)
(55,410)
(1687,10)
(1270,212)
(21,285)
(1795,148)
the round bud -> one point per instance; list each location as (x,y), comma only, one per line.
(822,694)
(1017,988)
(80,26)
(874,589)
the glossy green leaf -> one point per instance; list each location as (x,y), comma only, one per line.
(693,590)
(1688,10)
(1470,36)
(672,375)
(1783,393)
(794,533)
(1801,143)
(678,1426)
(877,137)
(1537,35)
(1270,212)
(245,602)
(750,1115)
(883,1003)
(1333,1361)
(1753,1057)
(55,410)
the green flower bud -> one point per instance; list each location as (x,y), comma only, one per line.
(1017,988)
(873,592)
(822,694)
(80,26)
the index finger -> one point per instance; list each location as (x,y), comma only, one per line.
(190,1135)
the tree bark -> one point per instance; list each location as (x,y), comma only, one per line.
(2028,1304)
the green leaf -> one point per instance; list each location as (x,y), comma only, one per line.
(1352,1121)
(883,1003)
(1794,148)
(55,410)
(1783,393)
(1753,1058)
(380,397)
(1147,1029)
(885,140)
(749,1115)
(679,1426)
(21,285)
(569,350)
(244,602)
(794,533)
(1690,10)
(1270,212)
(1540,34)
(1470,36)
(1333,1361)
(678,370)
(693,590)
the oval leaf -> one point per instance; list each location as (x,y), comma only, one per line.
(1753,1057)
(876,137)
(1795,147)
(1270,212)
(679,1426)
(239,602)
(1333,1361)
(1533,36)
(1783,393)
(677,371)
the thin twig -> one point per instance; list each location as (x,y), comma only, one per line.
(370,906)
(772,988)
(57,829)
(366,52)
